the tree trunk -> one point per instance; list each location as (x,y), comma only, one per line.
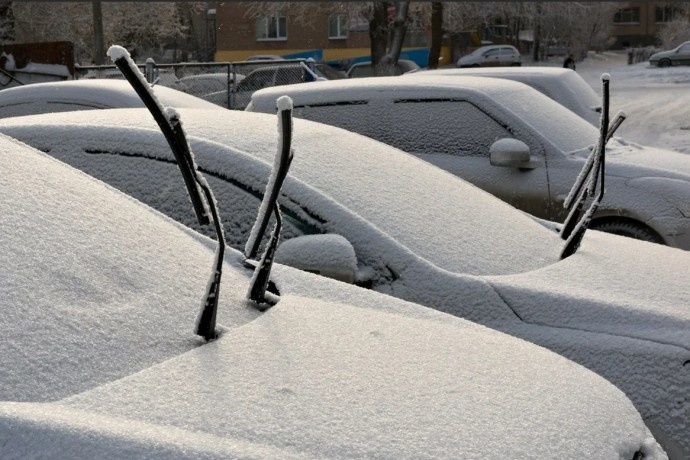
(537,34)
(386,65)
(378,32)
(436,34)
(98,52)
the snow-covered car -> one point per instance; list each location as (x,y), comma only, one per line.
(99,296)
(617,306)
(365,69)
(453,122)
(564,86)
(66,96)
(679,55)
(491,56)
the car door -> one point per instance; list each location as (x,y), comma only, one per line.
(492,58)
(508,56)
(682,57)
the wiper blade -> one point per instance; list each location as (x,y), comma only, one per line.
(281,166)
(584,172)
(598,174)
(170,125)
(257,291)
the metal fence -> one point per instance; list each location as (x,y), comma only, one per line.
(228,84)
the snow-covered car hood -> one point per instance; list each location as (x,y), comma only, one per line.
(611,285)
(99,296)
(631,160)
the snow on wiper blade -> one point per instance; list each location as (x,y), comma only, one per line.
(597,174)
(257,290)
(169,122)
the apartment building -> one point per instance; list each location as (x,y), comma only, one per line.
(637,24)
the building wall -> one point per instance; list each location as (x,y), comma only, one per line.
(642,33)
(236,40)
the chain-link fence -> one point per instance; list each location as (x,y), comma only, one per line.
(228,84)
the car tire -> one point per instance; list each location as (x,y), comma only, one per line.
(665,63)
(629,229)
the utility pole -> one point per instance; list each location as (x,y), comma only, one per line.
(99,52)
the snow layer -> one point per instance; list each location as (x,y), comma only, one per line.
(109,288)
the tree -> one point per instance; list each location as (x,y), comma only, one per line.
(6,22)
(436,34)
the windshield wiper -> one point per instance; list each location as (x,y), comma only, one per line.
(169,122)
(269,204)
(594,168)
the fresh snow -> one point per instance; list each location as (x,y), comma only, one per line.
(99,295)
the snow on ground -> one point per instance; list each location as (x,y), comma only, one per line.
(656,100)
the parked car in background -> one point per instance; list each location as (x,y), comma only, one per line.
(202,85)
(365,69)
(679,55)
(491,56)
(617,306)
(564,86)
(265,57)
(65,96)
(263,76)
(453,122)
(99,297)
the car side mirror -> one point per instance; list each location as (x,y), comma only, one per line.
(328,255)
(510,153)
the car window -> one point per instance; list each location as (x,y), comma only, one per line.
(491,53)
(256,81)
(416,126)
(685,49)
(507,51)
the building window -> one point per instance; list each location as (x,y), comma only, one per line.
(337,26)
(627,16)
(271,28)
(664,14)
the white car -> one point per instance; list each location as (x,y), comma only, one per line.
(66,96)
(99,296)
(492,56)
(564,86)
(453,122)
(617,306)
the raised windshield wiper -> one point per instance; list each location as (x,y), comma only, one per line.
(199,191)
(269,204)
(594,168)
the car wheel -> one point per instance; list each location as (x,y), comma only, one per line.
(629,229)
(665,63)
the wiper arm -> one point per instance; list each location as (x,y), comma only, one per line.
(281,166)
(598,173)
(170,125)
(259,284)
(584,172)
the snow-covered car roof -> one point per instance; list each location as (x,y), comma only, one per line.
(86,94)
(99,360)
(617,305)
(567,131)
(565,86)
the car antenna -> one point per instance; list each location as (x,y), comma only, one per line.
(597,174)
(283,160)
(169,122)
(576,190)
